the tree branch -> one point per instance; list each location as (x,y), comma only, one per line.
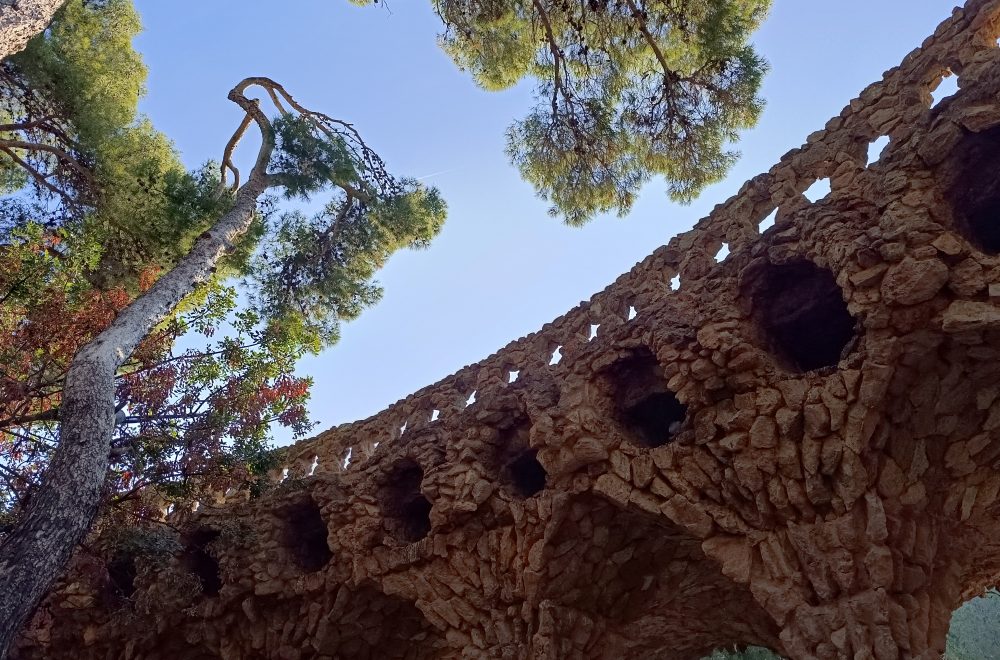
(50,415)
(35,174)
(62,509)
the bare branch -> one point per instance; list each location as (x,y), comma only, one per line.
(36,175)
(227,154)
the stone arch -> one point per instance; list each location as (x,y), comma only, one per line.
(368,623)
(638,572)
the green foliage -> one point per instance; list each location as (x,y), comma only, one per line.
(199,396)
(66,98)
(310,160)
(37,261)
(86,66)
(157,543)
(152,210)
(76,89)
(13,177)
(315,271)
(627,89)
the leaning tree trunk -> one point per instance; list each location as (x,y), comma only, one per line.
(61,511)
(20,20)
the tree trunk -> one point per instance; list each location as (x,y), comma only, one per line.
(20,20)
(61,511)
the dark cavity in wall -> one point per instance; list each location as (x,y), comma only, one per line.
(526,474)
(122,574)
(406,509)
(642,401)
(517,463)
(800,314)
(197,560)
(305,535)
(973,188)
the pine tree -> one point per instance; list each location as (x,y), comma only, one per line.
(96,405)
(627,90)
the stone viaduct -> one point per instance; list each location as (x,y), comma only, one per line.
(795,446)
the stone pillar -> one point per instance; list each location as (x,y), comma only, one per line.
(860,585)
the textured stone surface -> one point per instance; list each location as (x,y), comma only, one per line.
(798,448)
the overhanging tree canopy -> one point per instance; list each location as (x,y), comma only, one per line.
(626,89)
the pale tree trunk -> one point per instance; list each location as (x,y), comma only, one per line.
(61,511)
(20,20)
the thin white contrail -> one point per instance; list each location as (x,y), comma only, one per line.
(427,176)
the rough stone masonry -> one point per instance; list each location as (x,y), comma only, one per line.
(797,447)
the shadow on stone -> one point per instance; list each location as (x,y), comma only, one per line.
(800,314)
(973,188)
(197,560)
(366,623)
(406,509)
(305,535)
(643,403)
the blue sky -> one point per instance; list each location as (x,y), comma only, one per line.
(501,267)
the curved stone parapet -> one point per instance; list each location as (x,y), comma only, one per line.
(796,447)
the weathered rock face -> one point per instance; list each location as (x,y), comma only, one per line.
(798,448)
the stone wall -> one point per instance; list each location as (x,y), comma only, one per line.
(796,447)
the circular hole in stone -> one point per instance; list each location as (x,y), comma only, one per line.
(643,403)
(800,314)
(513,460)
(526,474)
(657,417)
